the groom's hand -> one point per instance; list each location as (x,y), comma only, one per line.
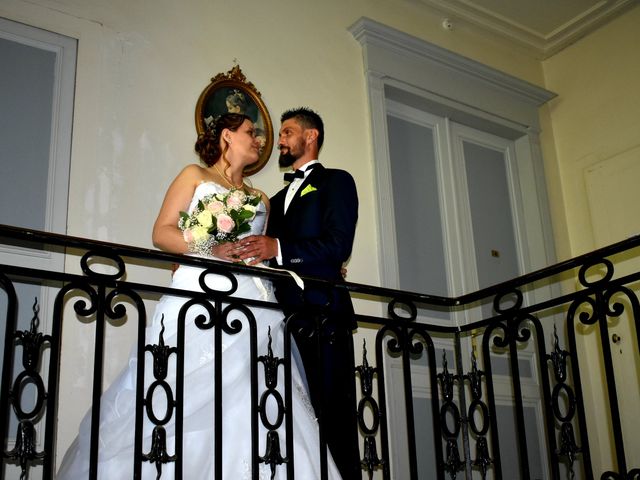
(258,248)
(228,252)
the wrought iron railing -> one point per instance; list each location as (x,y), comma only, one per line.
(487,385)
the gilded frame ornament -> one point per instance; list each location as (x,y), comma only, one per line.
(232,92)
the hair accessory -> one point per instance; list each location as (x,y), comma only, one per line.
(212,124)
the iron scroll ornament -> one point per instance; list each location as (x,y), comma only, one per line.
(232,92)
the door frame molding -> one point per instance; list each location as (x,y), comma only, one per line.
(58,176)
(407,69)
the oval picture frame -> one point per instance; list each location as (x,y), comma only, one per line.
(232,92)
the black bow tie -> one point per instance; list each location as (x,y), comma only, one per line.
(290,176)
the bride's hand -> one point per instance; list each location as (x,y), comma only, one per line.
(228,252)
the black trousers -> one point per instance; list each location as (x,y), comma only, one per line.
(325,342)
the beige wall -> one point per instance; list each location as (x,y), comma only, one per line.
(142,65)
(596,126)
(593,171)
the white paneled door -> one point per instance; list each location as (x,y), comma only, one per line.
(459,226)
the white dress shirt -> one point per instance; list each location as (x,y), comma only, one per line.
(294,186)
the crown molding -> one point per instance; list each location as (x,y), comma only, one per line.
(542,44)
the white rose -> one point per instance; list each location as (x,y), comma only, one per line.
(239,194)
(205,218)
(199,233)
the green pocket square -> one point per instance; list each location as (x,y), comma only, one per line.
(308,189)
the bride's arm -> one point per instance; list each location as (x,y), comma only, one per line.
(166,234)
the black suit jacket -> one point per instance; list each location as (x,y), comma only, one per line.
(316,236)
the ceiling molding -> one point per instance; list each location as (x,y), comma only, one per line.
(558,32)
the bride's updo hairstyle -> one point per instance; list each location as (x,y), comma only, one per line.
(208,143)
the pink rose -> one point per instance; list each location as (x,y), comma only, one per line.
(236,199)
(188,237)
(225,223)
(215,207)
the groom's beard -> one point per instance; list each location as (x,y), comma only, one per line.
(291,153)
(286,159)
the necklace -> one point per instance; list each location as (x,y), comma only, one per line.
(226,179)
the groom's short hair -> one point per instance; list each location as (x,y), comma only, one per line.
(307,118)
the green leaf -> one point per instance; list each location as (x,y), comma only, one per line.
(245,215)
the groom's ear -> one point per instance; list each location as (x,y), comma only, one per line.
(311,135)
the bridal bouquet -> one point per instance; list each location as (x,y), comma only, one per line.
(218,218)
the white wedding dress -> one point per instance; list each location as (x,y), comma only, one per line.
(116,444)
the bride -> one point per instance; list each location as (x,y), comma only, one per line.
(228,145)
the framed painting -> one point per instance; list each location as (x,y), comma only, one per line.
(231,92)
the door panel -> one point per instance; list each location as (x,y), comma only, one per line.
(491,217)
(487,196)
(415,148)
(25,132)
(416,205)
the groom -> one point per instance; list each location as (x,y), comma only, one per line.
(310,231)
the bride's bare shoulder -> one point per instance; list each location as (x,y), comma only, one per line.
(194,173)
(194,169)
